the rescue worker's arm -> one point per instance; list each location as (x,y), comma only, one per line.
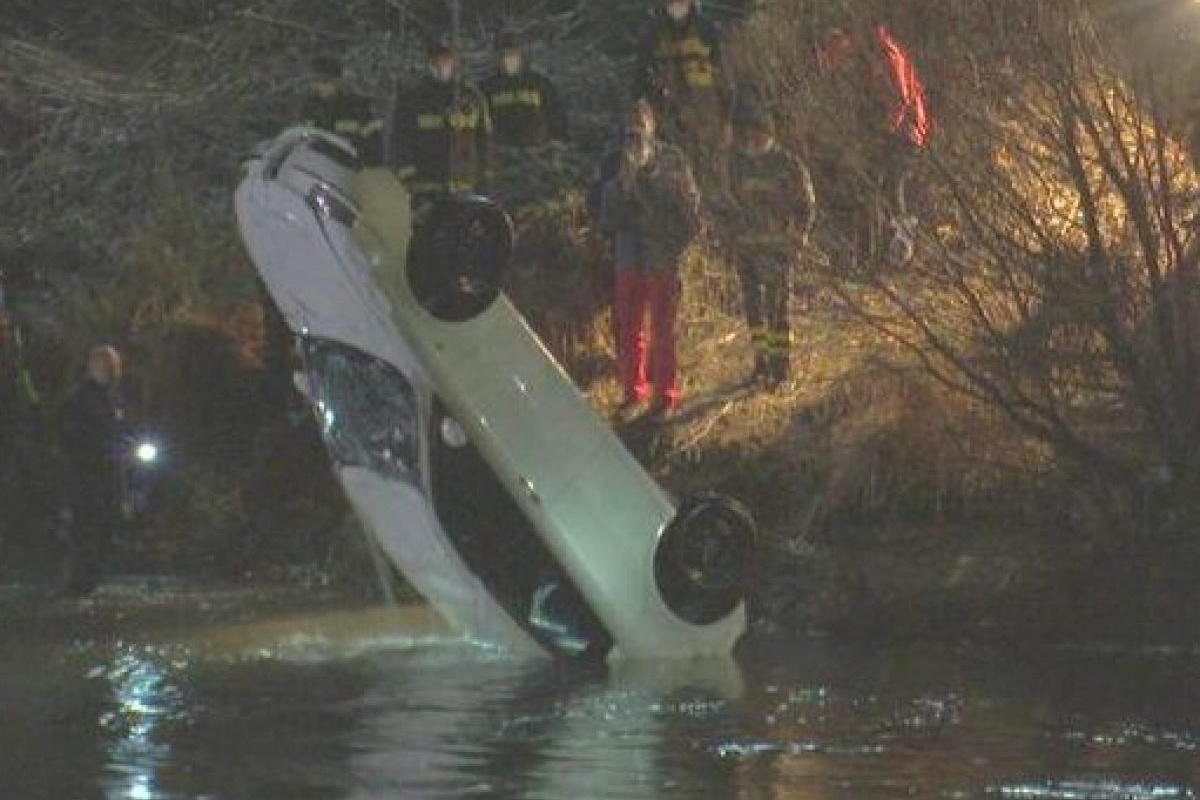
(807,200)
(309,115)
(724,205)
(372,147)
(647,79)
(688,192)
(402,128)
(556,112)
(370,136)
(483,143)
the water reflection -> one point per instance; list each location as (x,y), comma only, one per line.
(964,723)
(362,705)
(506,729)
(144,699)
(1093,790)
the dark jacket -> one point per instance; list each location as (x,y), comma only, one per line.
(656,216)
(443,132)
(606,170)
(93,435)
(774,205)
(350,116)
(525,108)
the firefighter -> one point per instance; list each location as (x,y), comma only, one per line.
(529,128)
(440,130)
(771,212)
(651,206)
(681,71)
(524,104)
(331,107)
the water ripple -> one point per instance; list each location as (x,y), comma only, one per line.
(1093,790)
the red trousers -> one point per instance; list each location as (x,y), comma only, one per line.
(638,295)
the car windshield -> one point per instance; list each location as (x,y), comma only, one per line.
(366,409)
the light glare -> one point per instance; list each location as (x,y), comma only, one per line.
(146,452)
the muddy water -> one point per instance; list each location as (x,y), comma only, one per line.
(154,696)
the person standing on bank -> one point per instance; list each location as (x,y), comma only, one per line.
(651,206)
(771,215)
(524,104)
(333,108)
(92,439)
(440,131)
(529,124)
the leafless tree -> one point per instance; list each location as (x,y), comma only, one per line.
(1057,278)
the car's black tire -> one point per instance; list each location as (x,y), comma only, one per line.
(458,256)
(702,562)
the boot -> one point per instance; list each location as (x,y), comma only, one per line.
(761,374)
(779,372)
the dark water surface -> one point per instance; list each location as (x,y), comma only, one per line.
(225,698)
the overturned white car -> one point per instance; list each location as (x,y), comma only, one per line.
(464,448)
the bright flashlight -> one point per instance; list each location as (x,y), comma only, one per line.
(146,452)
